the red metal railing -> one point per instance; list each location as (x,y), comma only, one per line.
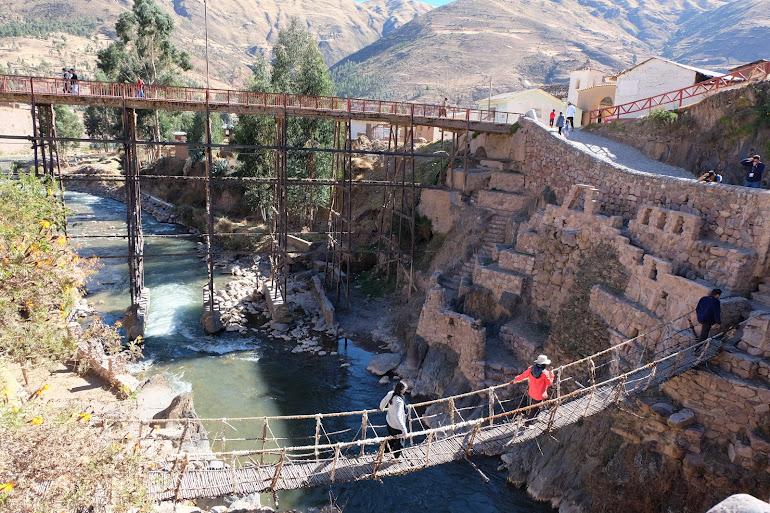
(675,99)
(42,86)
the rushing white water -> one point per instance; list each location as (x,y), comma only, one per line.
(234,376)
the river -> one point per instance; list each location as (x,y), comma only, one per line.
(233,376)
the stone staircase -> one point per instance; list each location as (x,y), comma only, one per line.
(495,234)
(760,300)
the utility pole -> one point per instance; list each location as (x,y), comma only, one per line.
(489,97)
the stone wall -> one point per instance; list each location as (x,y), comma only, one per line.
(439,325)
(732,215)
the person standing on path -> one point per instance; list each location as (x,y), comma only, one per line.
(709,313)
(571,115)
(540,379)
(442,110)
(560,122)
(396,418)
(552,117)
(754,170)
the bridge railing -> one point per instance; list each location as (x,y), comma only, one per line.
(90,88)
(313,435)
(674,99)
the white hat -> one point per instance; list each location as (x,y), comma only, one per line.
(543,360)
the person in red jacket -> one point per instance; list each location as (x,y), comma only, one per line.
(540,379)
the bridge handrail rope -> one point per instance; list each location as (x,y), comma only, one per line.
(740,75)
(457,426)
(48,86)
(561,369)
(328,462)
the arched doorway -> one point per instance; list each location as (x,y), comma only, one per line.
(605,104)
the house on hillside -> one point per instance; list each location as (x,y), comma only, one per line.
(657,76)
(590,89)
(522,101)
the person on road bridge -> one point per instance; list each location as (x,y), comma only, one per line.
(552,117)
(139,87)
(396,418)
(709,313)
(540,379)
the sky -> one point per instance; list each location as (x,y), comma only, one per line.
(431,2)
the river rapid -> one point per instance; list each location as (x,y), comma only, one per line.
(234,376)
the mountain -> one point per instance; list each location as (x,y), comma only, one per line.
(238,29)
(520,43)
(735,33)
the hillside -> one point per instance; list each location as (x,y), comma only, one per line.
(238,30)
(523,42)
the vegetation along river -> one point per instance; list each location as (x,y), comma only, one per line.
(234,376)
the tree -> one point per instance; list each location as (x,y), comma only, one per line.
(144,49)
(196,132)
(102,123)
(67,125)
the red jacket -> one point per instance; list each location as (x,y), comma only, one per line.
(538,387)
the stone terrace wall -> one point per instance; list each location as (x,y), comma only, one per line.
(439,325)
(734,215)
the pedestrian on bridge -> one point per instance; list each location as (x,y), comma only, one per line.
(709,313)
(560,122)
(540,379)
(570,113)
(396,418)
(139,87)
(74,86)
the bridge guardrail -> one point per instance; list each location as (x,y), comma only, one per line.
(46,86)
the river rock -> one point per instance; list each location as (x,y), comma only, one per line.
(212,322)
(243,506)
(383,363)
(384,380)
(279,326)
(741,503)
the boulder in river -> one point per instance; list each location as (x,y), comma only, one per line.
(212,322)
(381,364)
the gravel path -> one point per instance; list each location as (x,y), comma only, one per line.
(613,151)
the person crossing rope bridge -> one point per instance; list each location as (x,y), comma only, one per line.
(540,379)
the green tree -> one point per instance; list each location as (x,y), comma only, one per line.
(67,125)
(144,49)
(196,132)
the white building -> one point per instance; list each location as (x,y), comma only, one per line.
(656,76)
(520,102)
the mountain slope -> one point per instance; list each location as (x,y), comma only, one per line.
(735,33)
(238,29)
(532,42)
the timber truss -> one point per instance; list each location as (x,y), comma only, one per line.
(396,223)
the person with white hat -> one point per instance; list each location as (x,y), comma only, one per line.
(540,379)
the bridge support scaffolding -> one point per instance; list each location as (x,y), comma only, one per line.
(137,312)
(339,233)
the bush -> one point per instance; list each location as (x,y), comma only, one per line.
(662,116)
(39,273)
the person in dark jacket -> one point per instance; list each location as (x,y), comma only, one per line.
(709,312)
(754,169)
(560,122)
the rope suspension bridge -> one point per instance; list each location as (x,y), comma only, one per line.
(269,454)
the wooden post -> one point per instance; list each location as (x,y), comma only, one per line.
(278,469)
(179,481)
(364,422)
(232,472)
(452,414)
(264,439)
(491,406)
(379,459)
(590,398)
(224,438)
(678,360)
(652,375)
(469,447)
(336,458)
(703,352)
(317,434)
(591,371)
(427,449)
(619,389)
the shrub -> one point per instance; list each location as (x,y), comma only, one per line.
(662,117)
